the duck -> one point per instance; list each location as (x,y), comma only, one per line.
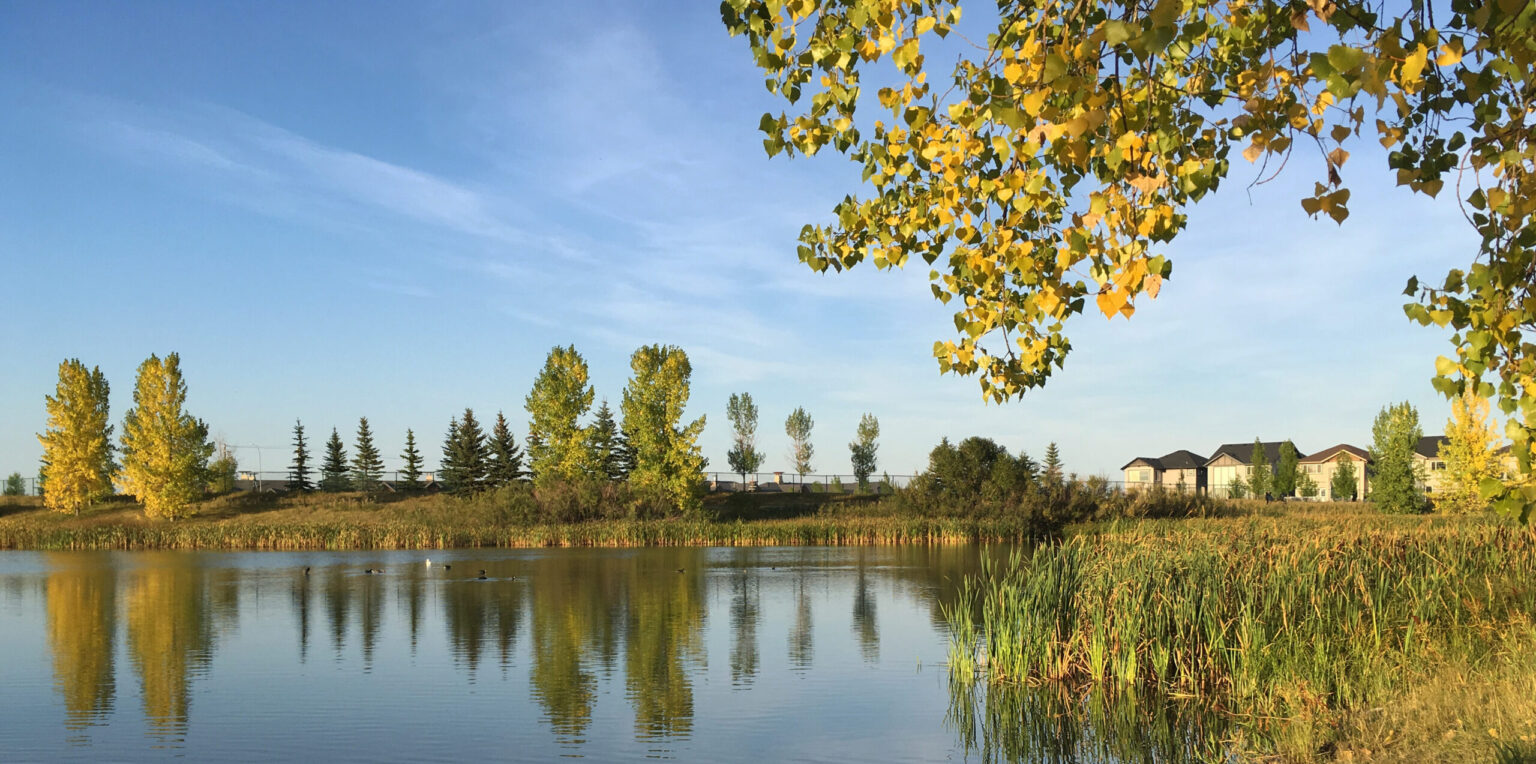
(482,574)
(306,570)
(374,571)
(682,570)
(429,562)
(447,567)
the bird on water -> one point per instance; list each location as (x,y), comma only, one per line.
(374,571)
(482,574)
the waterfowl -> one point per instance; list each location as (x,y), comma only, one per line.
(682,570)
(374,571)
(306,570)
(482,575)
(447,567)
(429,562)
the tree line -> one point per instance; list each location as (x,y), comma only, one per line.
(166,460)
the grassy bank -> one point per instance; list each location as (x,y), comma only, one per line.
(1318,632)
(343,521)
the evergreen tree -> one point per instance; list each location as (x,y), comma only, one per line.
(604,440)
(666,451)
(165,449)
(1237,489)
(474,453)
(298,472)
(798,427)
(1394,435)
(1052,464)
(78,440)
(1285,471)
(410,476)
(506,460)
(367,464)
(449,470)
(743,456)
(623,454)
(334,473)
(863,449)
(1344,480)
(1259,475)
(1469,455)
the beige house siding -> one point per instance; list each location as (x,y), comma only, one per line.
(1322,474)
(1431,473)
(1141,476)
(1181,480)
(1220,474)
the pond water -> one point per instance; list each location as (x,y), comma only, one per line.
(740,654)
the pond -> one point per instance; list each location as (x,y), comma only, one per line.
(697,654)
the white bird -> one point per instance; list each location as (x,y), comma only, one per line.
(429,562)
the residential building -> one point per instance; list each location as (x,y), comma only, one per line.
(1322,465)
(1232,463)
(1428,466)
(1179,471)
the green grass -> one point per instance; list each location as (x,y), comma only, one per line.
(1295,625)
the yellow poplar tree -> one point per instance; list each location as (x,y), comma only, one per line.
(165,450)
(77,445)
(1470,456)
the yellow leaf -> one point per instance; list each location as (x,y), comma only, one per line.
(1448,56)
(1252,152)
(1413,66)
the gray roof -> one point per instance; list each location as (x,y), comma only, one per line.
(1429,446)
(1243,452)
(1178,460)
(1332,451)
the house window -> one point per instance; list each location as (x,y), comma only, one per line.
(1144,476)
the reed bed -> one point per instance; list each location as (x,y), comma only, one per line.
(299,534)
(1285,623)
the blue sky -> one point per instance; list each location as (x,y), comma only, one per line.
(396,214)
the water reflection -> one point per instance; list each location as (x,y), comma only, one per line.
(82,627)
(591,648)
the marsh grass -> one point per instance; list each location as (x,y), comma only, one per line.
(1289,624)
(354,521)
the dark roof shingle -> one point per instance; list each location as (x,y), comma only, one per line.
(1243,452)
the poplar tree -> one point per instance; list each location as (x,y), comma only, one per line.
(1344,480)
(165,449)
(77,442)
(1471,460)
(666,452)
(334,473)
(298,472)
(604,440)
(798,427)
(863,449)
(1285,471)
(506,459)
(743,456)
(1259,475)
(1394,435)
(557,447)
(367,465)
(410,476)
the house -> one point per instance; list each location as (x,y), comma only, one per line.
(1322,465)
(1231,464)
(1429,468)
(1179,471)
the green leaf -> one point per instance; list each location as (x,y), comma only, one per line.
(1413,286)
(1055,66)
(1490,487)
(1116,32)
(1344,58)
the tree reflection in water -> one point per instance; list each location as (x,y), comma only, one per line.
(82,628)
(170,637)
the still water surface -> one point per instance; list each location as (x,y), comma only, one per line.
(756,654)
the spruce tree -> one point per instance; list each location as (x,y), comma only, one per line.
(506,459)
(623,454)
(449,470)
(473,452)
(410,477)
(367,466)
(298,472)
(333,471)
(1052,463)
(603,439)
(1285,471)
(1259,476)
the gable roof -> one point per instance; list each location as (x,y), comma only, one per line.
(1332,451)
(1243,452)
(1181,459)
(1429,446)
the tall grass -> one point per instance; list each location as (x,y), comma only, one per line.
(1271,620)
